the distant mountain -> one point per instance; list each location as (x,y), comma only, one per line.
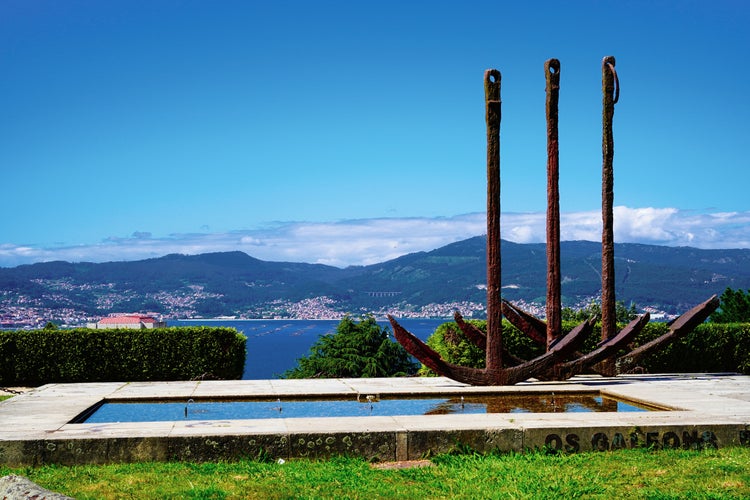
(234,283)
(668,278)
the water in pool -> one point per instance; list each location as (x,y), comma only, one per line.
(364,407)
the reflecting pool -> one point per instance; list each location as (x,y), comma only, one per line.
(363,406)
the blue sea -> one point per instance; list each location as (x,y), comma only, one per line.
(274,346)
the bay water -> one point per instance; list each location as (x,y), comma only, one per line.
(274,346)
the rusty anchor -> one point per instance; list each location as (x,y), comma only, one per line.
(561,359)
(495,372)
(612,341)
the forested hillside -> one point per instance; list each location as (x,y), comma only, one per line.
(234,283)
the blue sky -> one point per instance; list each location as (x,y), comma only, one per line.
(348,132)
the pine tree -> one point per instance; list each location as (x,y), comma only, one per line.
(734,307)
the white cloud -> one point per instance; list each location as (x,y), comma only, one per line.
(356,242)
(644,224)
(368,241)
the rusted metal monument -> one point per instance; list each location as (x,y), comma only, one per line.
(561,359)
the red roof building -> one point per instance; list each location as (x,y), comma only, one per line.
(137,321)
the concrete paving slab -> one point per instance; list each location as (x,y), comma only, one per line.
(343,424)
(229,427)
(114,430)
(151,390)
(313,387)
(221,389)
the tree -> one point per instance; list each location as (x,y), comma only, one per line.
(356,350)
(623,313)
(734,307)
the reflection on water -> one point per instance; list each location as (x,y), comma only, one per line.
(548,403)
(367,405)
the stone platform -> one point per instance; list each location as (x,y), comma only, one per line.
(706,410)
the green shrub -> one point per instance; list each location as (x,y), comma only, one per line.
(453,346)
(357,349)
(451,343)
(38,357)
(711,347)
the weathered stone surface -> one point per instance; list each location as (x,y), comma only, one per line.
(137,449)
(373,446)
(425,443)
(104,450)
(212,448)
(14,487)
(21,453)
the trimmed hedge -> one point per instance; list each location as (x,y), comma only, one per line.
(36,357)
(711,347)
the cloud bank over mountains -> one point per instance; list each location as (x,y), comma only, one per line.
(368,241)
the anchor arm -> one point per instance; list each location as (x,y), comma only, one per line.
(679,328)
(607,348)
(474,334)
(561,349)
(505,376)
(535,328)
(479,339)
(432,360)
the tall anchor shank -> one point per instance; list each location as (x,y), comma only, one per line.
(554,300)
(494,351)
(610,93)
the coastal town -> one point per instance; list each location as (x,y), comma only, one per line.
(19,311)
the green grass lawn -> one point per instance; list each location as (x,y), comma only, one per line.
(624,474)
